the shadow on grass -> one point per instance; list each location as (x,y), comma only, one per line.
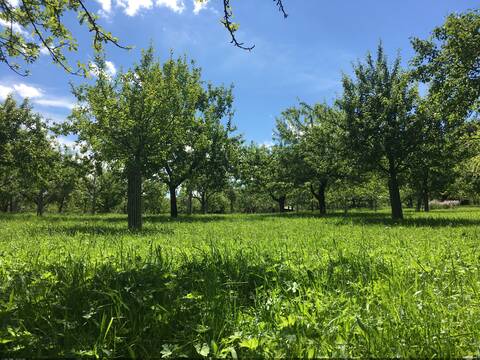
(117,224)
(131,308)
(379,218)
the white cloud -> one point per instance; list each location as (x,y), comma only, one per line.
(5,91)
(37,96)
(15,27)
(55,102)
(27,91)
(132,7)
(175,5)
(44,51)
(106,5)
(110,69)
(199,6)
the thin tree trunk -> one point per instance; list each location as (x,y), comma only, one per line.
(134,199)
(418,207)
(394,192)
(320,196)
(173,201)
(190,202)
(425,194)
(40,203)
(426,205)
(281,203)
(203,201)
(61,205)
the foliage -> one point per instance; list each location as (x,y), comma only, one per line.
(449,62)
(32,26)
(381,128)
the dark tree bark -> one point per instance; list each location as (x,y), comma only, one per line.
(418,206)
(394,192)
(203,202)
(40,202)
(61,204)
(281,203)
(425,193)
(190,202)
(134,198)
(426,205)
(320,196)
(173,201)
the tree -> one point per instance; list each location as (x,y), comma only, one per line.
(192,122)
(265,170)
(313,135)
(449,61)
(430,166)
(28,157)
(122,120)
(151,120)
(68,175)
(218,165)
(382,130)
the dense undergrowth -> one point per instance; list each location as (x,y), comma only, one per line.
(241,286)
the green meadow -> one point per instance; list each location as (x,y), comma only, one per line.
(241,286)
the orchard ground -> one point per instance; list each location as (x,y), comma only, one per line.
(222,286)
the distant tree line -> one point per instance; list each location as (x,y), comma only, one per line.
(159,137)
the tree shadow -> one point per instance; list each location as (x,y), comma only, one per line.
(131,307)
(96,229)
(381,218)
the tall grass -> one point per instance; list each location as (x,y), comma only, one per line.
(241,286)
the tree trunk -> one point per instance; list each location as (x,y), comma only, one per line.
(281,203)
(61,205)
(134,199)
(320,196)
(418,207)
(425,194)
(322,205)
(426,205)
(394,192)
(190,202)
(203,202)
(40,203)
(173,201)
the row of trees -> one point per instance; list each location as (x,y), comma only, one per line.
(159,129)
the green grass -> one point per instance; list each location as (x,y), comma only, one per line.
(243,285)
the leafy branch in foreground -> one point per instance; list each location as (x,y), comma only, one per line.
(232,27)
(33,27)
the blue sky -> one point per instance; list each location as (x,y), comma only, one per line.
(301,57)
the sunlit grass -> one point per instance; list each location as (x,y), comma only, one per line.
(245,285)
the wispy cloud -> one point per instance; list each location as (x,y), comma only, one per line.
(37,94)
(58,102)
(27,91)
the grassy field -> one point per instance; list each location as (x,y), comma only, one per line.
(241,286)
